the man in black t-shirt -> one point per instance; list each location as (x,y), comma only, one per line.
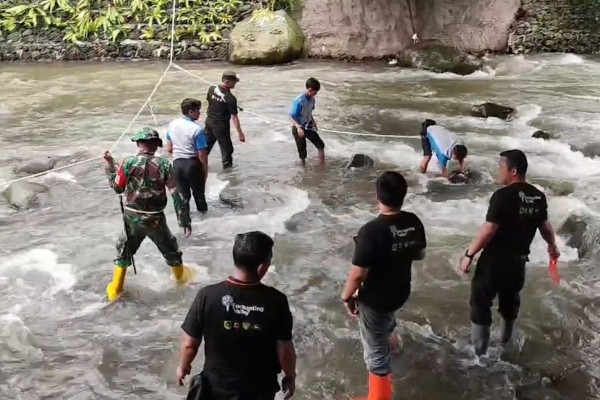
(381,273)
(515,214)
(247,331)
(222,107)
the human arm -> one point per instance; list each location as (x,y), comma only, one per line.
(169,145)
(296,117)
(117,178)
(233,111)
(182,207)
(547,232)
(356,277)
(365,256)
(193,331)
(445,172)
(201,148)
(285,348)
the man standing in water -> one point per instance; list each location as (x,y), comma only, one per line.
(222,108)
(435,138)
(381,273)
(516,212)
(143,180)
(247,329)
(304,125)
(187,144)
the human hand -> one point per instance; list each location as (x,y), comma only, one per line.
(465,264)
(182,372)
(108,158)
(300,132)
(187,231)
(352,306)
(242,137)
(553,251)
(288,386)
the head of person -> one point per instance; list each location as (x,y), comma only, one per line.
(427,123)
(229,79)
(391,191)
(312,87)
(459,152)
(191,108)
(252,253)
(512,166)
(147,140)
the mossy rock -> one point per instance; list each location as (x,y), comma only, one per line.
(266,38)
(439,58)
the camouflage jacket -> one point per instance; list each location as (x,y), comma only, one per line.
(144,180)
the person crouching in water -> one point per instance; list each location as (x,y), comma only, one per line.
(438,140)
(381,273)
(143,180)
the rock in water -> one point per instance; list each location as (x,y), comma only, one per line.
(232,197)
(575,228)
(360,161)
(439,58)
(266,38)
(458,177)
(36,166)
(591,150)
(487,110)
(541,135)
(24,195)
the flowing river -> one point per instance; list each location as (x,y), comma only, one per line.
(58,340)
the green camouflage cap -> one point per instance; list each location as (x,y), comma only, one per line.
(147,134)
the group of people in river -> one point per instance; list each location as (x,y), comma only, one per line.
(246,325)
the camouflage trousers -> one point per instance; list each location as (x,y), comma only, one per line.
(153,226)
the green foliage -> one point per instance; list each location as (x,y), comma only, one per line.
(81,20)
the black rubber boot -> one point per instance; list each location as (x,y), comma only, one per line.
(480,336)
(506,330)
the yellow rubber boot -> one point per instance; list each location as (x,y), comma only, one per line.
(182,274)
(115,287)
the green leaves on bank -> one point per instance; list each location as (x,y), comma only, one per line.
(81,20)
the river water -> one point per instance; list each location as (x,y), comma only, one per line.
(58,340)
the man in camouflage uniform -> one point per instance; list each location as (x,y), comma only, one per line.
(143,180)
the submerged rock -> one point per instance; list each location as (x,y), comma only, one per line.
(591,150)
(36,166)
(24,195)
(439,58)
(577,229)
(542,135)
(232,197)
(360,161)
(487,110)
(266,38)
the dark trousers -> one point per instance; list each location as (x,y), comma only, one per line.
(220,133)
(497,275)
(309,134)
(203,388)
(189,173)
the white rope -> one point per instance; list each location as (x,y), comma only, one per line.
(172,34)
(289,122)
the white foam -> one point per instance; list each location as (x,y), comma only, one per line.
(516,66)
(270,221)
(15,338)
(214,187)
(567,59)
(45,261)
(485,74)
(62,176)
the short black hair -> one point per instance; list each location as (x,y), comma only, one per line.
(251,249)
(188,105)
(460,151)
(314,84)
(391,189)
(516,159)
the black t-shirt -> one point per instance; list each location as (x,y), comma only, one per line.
(519,210)
(241,324)
(387,246)
(221,105)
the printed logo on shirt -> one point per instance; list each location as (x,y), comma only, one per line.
(256,327)
(528,204)
(241,309)
(227,325)
(528,199)
(400,233)
(236,326)
(218,95)
(246,325)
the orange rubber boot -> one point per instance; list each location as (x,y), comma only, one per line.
(380,388)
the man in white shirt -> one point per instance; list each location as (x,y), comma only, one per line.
(436,139)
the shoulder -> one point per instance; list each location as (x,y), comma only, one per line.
(212,291)
(412,218)
(372,226)
(162,162)
(275,294)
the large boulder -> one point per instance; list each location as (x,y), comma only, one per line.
(36,166)
(360,161)
(541,135)
(591,150)
(439,58)
(487,110)
(581,233)
(266,38)
(24,195)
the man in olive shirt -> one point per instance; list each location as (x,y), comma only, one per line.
(381,272)
(247,330)
(515,214)
(223,108)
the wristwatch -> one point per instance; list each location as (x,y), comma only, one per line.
(469,255)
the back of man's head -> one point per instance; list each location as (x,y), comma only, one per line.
(391,189)
(516,159)
(460,152)
(314,84)
(188,105)
(251,249)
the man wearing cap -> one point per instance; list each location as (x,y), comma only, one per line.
(143,181)
(222,107)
